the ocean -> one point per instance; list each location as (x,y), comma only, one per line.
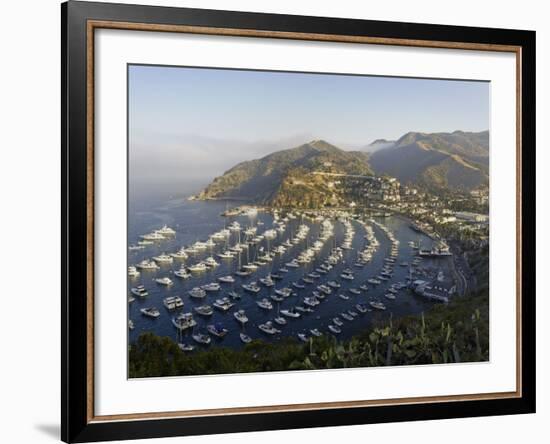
(197,220)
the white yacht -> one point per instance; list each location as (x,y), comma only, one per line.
(184,321)
(223,304)
(211,262)
(180,254)
(182,273)
(226,255)
(335,329)
(191,250)
(217,330)
(265,304)
(198,267)
(284,292)
(316,332)
(235,226)
(377,305)
(173,302)
(268,328)
(245,338)
(186,347)
(133,271)
(252,287)
(251,231)
(151,312)
(147,265)
(213,286)
(268,282)
(226,279)
(164,281)
(270,234)
(204,310)
(139,291)
(290,313)
(166,230)
(241,316)
(197,292)
(202,338)
(163,258)
(154,236)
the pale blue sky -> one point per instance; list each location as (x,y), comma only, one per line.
(188,122)
(259,105)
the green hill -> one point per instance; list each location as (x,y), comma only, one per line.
(286,177)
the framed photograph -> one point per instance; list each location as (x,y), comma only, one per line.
(276,221)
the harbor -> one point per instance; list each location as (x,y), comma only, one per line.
(208,274)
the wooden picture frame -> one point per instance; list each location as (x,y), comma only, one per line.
(79,22)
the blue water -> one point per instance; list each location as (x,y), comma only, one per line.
(195,220)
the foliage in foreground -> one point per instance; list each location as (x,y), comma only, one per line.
(457,332)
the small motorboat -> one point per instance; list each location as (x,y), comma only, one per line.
(182,273)
(139,291)
(217,330)
(290,313)
(362,308)
(252,287)
(164,281)
(335,329)
(213,286)
(186,347)
(245,338)
(151,312)
(173,302)
(268,328)
(302,337)
(378,305)
(202,338)
(265,304)
(197,292)
(204,310)
(346,316)
(234,294)
(316,332)
(241,316)
(223,304)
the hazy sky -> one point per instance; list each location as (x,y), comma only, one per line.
(195,118)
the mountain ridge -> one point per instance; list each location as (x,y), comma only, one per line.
(438,161)
(263,180)
(457,160)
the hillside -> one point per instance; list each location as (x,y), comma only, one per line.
(458,160)
(285,177)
